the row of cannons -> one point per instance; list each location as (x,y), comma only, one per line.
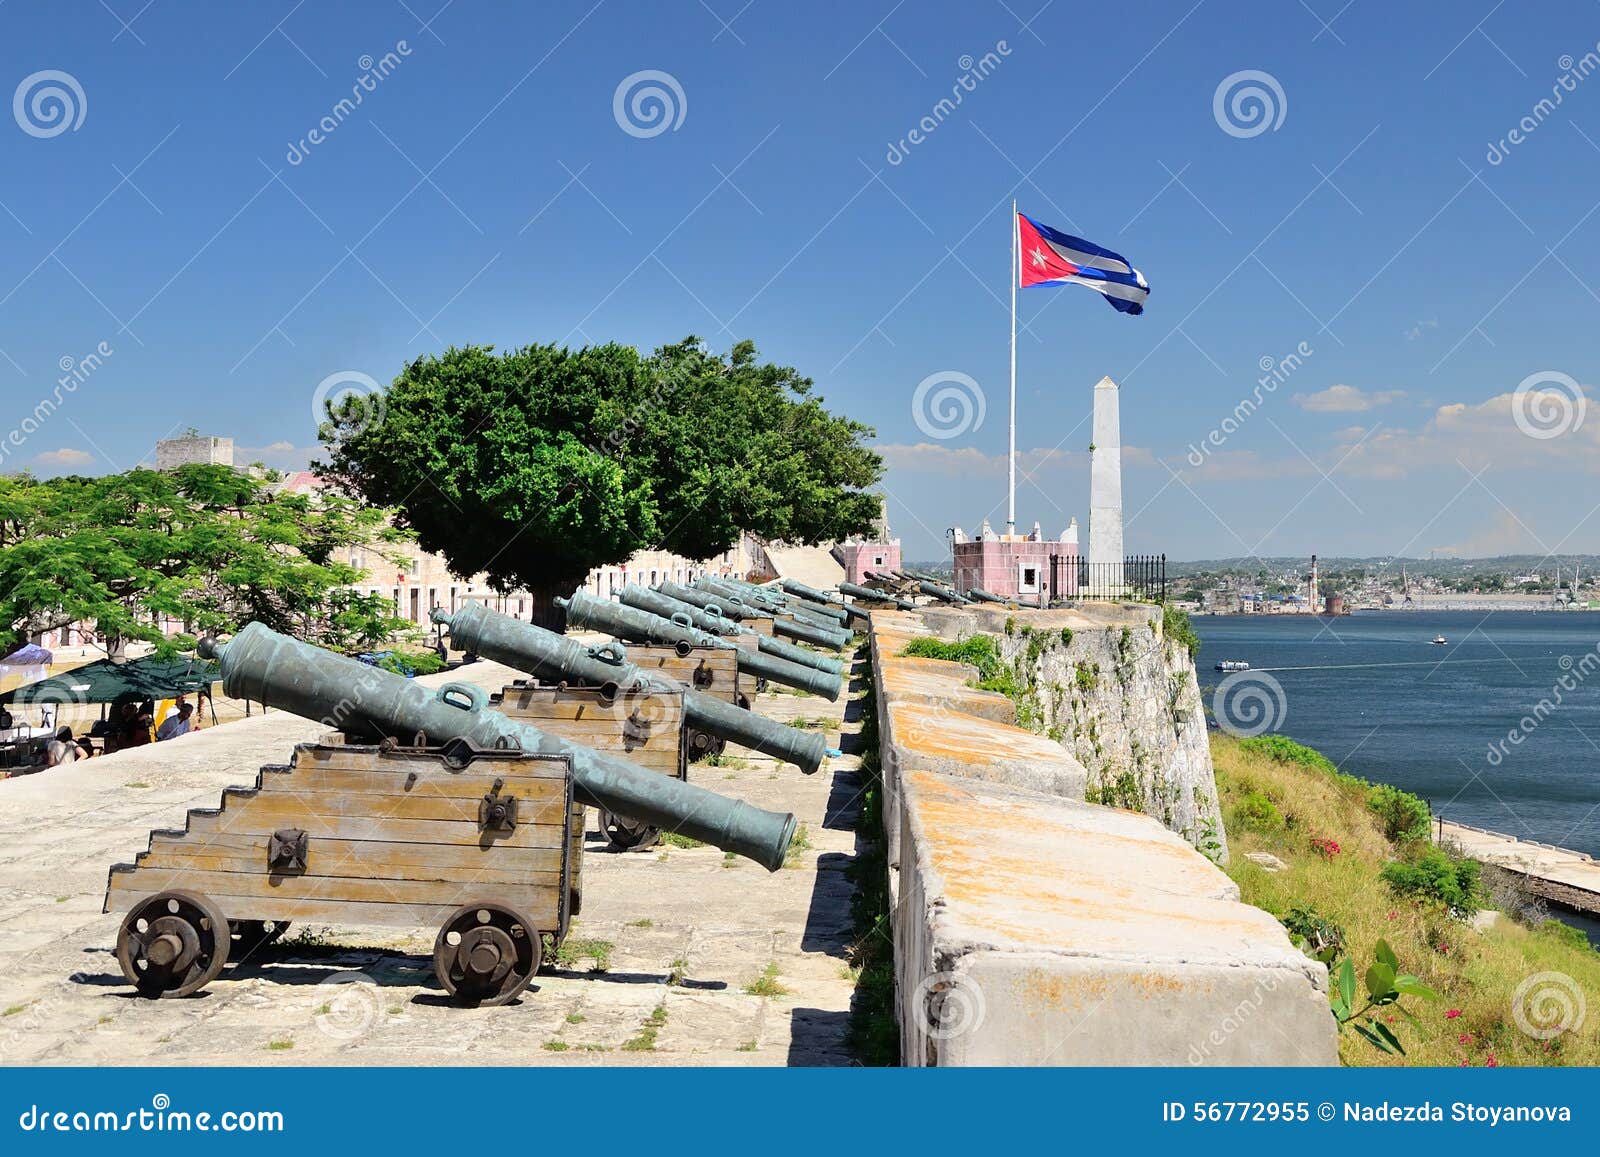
(455,809)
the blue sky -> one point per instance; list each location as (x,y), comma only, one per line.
(484,190)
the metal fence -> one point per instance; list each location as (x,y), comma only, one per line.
(1140,577)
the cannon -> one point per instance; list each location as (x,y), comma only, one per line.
(711,620)
(557,659)
(816,607)
(979,595)
(794,625)
(811,595)
(483,844)
(941,592)
(730,606)
(867,594)
(586,611)
(273,669)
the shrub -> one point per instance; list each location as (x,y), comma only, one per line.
(1176,626)
(1325,847)
(981,651)
(1405,817)
(1259,812)
(1565,934)
(410,663)
(1437,878)
(1314,934)
(1282,749)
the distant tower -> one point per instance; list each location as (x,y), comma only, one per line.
(1314,596)
(1105,488)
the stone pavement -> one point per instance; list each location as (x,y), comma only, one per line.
(681,955)
(1556,873)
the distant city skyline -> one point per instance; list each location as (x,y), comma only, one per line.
(1367,233)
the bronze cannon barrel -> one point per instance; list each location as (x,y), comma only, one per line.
(833,603)
(791,623)
(260,664)
(857,591)
(712,620)
(626,622)
(979,595)
(555,658)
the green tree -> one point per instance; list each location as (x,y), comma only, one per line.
(536,465)
(205,545)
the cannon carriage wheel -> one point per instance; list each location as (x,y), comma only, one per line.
(251,935)
(173,944)
(486,953)
(628,835)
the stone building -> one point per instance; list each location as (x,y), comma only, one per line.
(193,450)
(1026,567)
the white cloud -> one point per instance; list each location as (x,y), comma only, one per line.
(1342,399)
(283,455)
(66,456)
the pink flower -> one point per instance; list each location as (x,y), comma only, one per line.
(1465,1038)
(1492,1063)
(1393,915)
(1451,1014)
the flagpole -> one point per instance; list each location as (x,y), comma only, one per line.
(1011,456)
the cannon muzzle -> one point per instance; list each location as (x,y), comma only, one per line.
(555,658)
(857,591)
(979,595)
(629,622)
(304,680)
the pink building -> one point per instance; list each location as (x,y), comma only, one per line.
(1029,568)
(858,558)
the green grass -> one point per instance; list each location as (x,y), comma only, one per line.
(730,859)
(555,1046)
(574,950)
(767,983)
(679,968)
(646,1040)
(644,923)
(674,840)
(749,1046)
(1477,974)
(798,847)
(722,760)
(278,1046)
(576,1018)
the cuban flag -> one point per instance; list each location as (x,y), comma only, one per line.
(1052,258)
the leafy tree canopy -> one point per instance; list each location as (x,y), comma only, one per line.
(204,545)
(538,464)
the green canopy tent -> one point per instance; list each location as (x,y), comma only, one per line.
(105,681)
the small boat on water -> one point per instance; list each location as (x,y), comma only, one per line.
(1232,665)
(1438,641)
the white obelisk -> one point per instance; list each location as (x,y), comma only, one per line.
(1105,492)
